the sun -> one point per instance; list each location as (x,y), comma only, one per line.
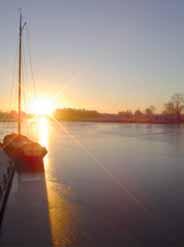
(41,106)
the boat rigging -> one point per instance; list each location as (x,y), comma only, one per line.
(21,29)
(28,155)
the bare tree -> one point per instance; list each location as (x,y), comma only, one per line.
(175,106)
(150,111)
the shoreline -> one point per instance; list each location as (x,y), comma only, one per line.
(109,121)
(121,121)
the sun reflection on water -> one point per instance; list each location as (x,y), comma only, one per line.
(43,131)
(61,211)
(43,135)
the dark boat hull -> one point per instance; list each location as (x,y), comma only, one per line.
(33,164)
(27,155)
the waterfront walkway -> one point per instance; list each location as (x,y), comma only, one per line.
(6,175)
(26,220)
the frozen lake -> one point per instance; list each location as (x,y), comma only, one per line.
(112,184)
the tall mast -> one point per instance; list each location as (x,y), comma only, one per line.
(21,28)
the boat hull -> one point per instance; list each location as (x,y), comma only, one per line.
(27,155)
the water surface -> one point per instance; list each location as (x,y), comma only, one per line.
(112,184)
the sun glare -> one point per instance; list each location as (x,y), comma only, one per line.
(41,107)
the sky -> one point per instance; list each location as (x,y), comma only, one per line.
(108,55)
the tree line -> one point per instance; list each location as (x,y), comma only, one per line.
(172,113)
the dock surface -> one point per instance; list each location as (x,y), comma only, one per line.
(26,220)
(6,176)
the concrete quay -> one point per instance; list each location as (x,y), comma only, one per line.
(6,176)
(26,218)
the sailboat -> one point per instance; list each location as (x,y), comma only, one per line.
(27,154)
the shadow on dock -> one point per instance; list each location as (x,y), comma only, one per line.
(26,219)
